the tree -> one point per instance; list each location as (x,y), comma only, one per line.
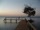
(30,11)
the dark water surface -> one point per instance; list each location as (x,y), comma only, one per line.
(12,26)
(36,23)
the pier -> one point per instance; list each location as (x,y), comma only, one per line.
(11,18)
(25,25)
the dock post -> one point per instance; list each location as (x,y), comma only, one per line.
(16,20)
(10,20)
(5,21)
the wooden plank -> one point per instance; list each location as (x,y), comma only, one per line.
(24,25)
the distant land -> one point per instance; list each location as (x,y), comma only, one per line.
(21,16)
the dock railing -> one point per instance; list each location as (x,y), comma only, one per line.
(31,26)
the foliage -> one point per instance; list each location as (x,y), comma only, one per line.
(30,11)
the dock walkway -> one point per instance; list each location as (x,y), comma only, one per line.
(11,19)
(25,25)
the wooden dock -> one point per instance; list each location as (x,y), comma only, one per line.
(25,25)
(10,19)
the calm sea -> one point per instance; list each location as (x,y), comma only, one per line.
(12,26)
(7,26)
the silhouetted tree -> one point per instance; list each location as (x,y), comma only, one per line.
(30,11)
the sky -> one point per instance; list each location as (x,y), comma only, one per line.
(16,7)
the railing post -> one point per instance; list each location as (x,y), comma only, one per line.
(16,20)
(5,21)
(10,20)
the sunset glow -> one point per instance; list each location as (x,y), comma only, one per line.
(16,7)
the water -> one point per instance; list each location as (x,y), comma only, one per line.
(12,26)
(8,26)
(36,23)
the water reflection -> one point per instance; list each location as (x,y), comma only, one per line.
(12,26)
(7,26)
